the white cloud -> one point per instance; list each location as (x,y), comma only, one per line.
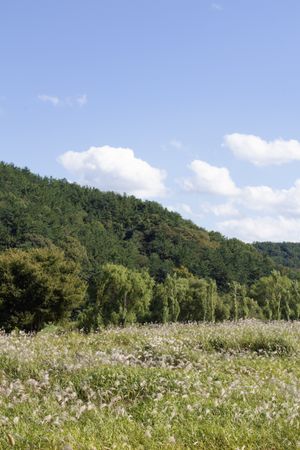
(222,209)
(173,144)
(217,181)
(186,208)
(255,212)
(278,209)
(176,144)
(260,152)
(217,6)
(115,169)
(171,208)
(268,200)
(210,179)
(249,229)
(55,101)
(80,100)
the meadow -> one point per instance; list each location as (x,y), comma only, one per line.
(181,386)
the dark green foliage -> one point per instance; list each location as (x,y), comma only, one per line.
(100,227)
(37,287)
(139,261)
(233,260)
(286,254)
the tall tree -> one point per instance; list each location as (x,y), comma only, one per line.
(123,295)
(274,295)
(36,287)
(167,299)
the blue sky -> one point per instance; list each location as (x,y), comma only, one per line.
(191,103)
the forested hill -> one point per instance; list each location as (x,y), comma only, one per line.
(285,254)
(96,227)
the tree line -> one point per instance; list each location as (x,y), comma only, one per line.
(96,228)
(41,286)
(73,253)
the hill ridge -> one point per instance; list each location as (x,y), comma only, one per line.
(96,227)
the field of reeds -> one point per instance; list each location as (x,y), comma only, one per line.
(202,386)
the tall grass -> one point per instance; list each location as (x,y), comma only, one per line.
(205,386)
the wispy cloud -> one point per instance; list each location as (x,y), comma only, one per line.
(217,7)
(184,209)
(222,209)
(175,143)
(81,100)
(266,228)
(56,101)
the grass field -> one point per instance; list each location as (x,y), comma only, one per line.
(227,386)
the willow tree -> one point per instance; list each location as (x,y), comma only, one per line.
(168,299)
(276,296)
(212,296)
(123,295)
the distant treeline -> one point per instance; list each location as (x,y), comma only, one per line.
(286,254)
(60,241)
(41,286)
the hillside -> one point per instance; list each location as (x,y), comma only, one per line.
(286,254)
(95,227)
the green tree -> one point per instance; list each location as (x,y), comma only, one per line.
(234,294)
(274,294)
(37,286)
(193,303)
(96,228)
(223,306)
(212,296)
(295,300)
(167,298)
(240,303)
(123,295)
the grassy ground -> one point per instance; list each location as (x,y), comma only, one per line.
(228,386)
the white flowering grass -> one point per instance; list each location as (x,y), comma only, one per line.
(227,386)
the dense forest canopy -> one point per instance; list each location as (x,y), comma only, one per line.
(96,258)
(285,254)
(99,227)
